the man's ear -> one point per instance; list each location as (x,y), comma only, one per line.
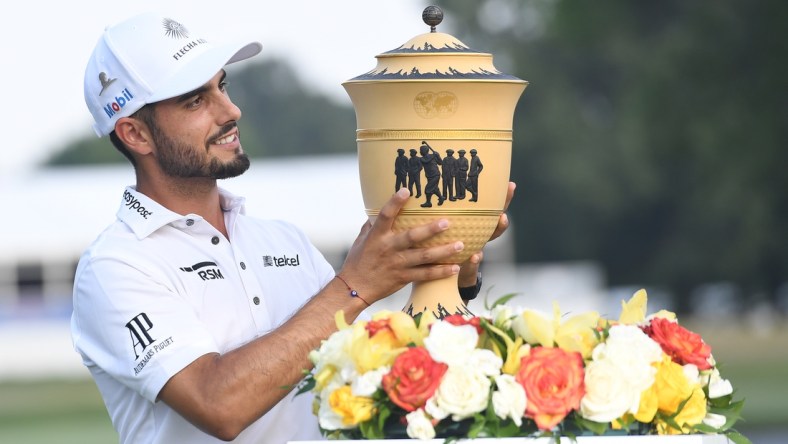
(135,135)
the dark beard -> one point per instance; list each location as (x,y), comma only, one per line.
(178,159)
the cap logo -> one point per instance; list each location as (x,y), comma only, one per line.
(105,82)
(174,29)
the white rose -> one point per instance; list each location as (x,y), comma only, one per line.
(633,352)
(714,420)
(368,383)
(451,344)
(502,316)
(692,373)
(334,351)
(718,387)
(419,426)
(509,400)
(485,361)
(434,410)
(463,392)
(609,394)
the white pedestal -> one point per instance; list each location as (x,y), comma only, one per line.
(651,439)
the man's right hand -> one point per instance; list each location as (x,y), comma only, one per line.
(381,261)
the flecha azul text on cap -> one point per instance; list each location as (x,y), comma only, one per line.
(188,47)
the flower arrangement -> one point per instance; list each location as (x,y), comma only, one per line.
(519,373)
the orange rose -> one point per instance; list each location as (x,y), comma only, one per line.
(413,378)
(682,345)
(553,383)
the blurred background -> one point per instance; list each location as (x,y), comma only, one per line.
(649,152)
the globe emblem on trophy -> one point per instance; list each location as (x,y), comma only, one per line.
(435,104)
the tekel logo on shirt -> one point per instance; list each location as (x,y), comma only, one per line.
(133,204)
(284,261)
(208,274)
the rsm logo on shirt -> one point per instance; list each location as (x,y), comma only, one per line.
(207,271)
(283,261)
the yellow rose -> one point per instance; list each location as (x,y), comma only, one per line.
(352,409)
(323,376)
(649,404)
(691,414)
(577,333)
(633,311)
(694,410)
(574,334)
(671,385)
(376,343)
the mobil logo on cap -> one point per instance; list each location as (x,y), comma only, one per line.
(120,101)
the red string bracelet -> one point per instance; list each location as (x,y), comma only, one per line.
(353,293)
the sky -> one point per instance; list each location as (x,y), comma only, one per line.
(44,46)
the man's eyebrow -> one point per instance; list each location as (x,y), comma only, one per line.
(184,97)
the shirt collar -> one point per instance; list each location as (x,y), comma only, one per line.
(144,215)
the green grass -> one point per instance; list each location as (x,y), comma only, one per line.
(64,412)
(69,412)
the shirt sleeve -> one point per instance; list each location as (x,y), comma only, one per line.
(134,327)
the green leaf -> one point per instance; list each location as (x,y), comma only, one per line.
(738,438)
(500,301)
(306,385)
(705,428)
(732,413)
(597,428)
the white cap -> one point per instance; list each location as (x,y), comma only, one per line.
(149,58)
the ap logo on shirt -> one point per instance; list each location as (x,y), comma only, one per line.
(139,330)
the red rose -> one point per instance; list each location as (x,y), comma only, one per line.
(457,319)
(682,345)
(380,325)
(553,383)
(413,378)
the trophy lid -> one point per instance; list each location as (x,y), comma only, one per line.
(434,56)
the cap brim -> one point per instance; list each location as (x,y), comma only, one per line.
(200,70)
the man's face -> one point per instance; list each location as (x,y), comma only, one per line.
(196,134)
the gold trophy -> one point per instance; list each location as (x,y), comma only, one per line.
(435,116)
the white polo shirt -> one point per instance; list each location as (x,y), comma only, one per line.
(157,290)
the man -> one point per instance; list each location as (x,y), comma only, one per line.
(430,161)
(193,318)
(400,170)
(462,174)
(449,172)
(414,173)
(474,170)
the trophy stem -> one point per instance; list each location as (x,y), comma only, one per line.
(440,296)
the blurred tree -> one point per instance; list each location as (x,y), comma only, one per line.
(280,118)
(652,136)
